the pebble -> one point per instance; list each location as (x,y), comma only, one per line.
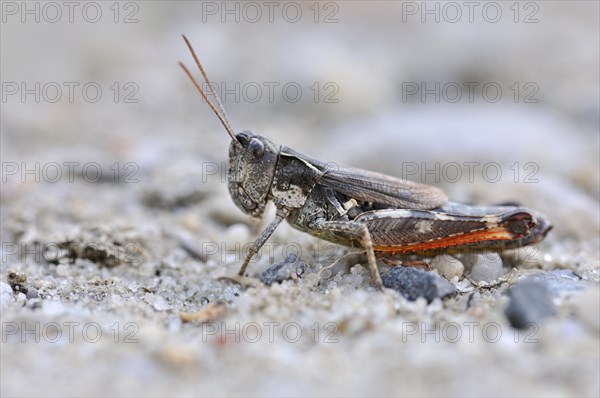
(448,266)
(530,302)
(133,286)
(160,304)
(17,281)
(487,268)
(283,270)
(557,281)
(413,283)
(32,293)
(6,293)
(16,278)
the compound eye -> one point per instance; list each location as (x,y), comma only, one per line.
(256,147)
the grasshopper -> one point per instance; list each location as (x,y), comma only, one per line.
(353,207)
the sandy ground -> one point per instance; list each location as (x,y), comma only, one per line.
(117,273)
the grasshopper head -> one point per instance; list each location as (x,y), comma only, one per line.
(252,157)
(252,162)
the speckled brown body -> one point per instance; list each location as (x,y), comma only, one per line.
(356,207)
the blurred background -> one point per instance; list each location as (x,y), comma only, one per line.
(383,85)
(492,101)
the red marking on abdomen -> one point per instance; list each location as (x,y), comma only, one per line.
(495,233)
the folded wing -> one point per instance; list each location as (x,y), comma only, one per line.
(368,186)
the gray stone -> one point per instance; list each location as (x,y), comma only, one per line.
(487,268)
(283,270)
(530,302)
(558,280)
(32,293)
(413,283)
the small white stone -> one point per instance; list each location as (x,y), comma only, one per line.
(325,274)
(6,293)
(5,288)
(133,286)
(160,304)
(488,268)
(357,269)
(448,266)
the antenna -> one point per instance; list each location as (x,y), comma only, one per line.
(222,117)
